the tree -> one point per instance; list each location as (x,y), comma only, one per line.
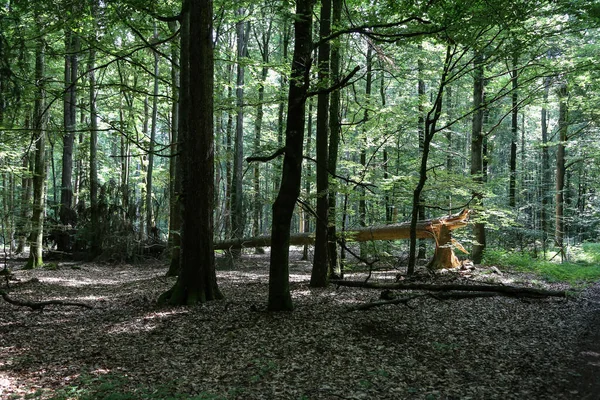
(563,126)
(197,281)
(477,140)
(279,290)
(39,170)
(319,275)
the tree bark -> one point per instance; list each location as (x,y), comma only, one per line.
(428,229)
(150,224)
(283,208)
(512,181)
(67,212)
(265,36)
(319,276)
(433,116)
(175,161)
(563,126)
(477,139)
(39,169)
(335,270)
(504,289)
(237,200)
(197,281)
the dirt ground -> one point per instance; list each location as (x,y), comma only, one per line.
(128,348)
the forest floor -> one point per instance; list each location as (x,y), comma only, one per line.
(128,348)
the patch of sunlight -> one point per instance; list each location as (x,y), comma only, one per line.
(79,282)
(146,323)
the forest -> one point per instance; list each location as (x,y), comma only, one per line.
(206,199)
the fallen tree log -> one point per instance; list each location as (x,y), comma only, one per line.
(437,296)
(427,229)
(514,291)
(39,305)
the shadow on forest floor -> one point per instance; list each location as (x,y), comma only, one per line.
(128,348)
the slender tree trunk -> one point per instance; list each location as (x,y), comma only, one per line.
(512,184)
(319,277)
(237,200)
(197,281)
(449,148)
(150,224)
(305,214)
(39,169)
(431,120)
(228,164)
(335,270)
(96,237)
(24,222)
(258,204)
(175,161)
(477,161)
(563,126)
(421,131)
(283,208)
(362,203)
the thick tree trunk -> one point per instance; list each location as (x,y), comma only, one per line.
(319,277)
(39,169)
(429,229)
(175,161)
(197,281)
(477,139)
(67,212)
(283,208)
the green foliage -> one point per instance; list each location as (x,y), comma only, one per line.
(583,265)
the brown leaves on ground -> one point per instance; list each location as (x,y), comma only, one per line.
(488,348)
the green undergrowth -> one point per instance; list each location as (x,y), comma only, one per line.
(582,265)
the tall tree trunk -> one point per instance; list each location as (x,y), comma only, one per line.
(150,224)
(546,174)
(477,161)
(175,161)
(305,214)
(431,120)
(335,270)
(283,82)
(24,221)
(39,169)
(264,49)
(362,203)
(449,149)
(512,184)
(237,200)
(319,276)
(283,208)
(96,237)
(563,126)
(67,212)
(197,281)
(421,131)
